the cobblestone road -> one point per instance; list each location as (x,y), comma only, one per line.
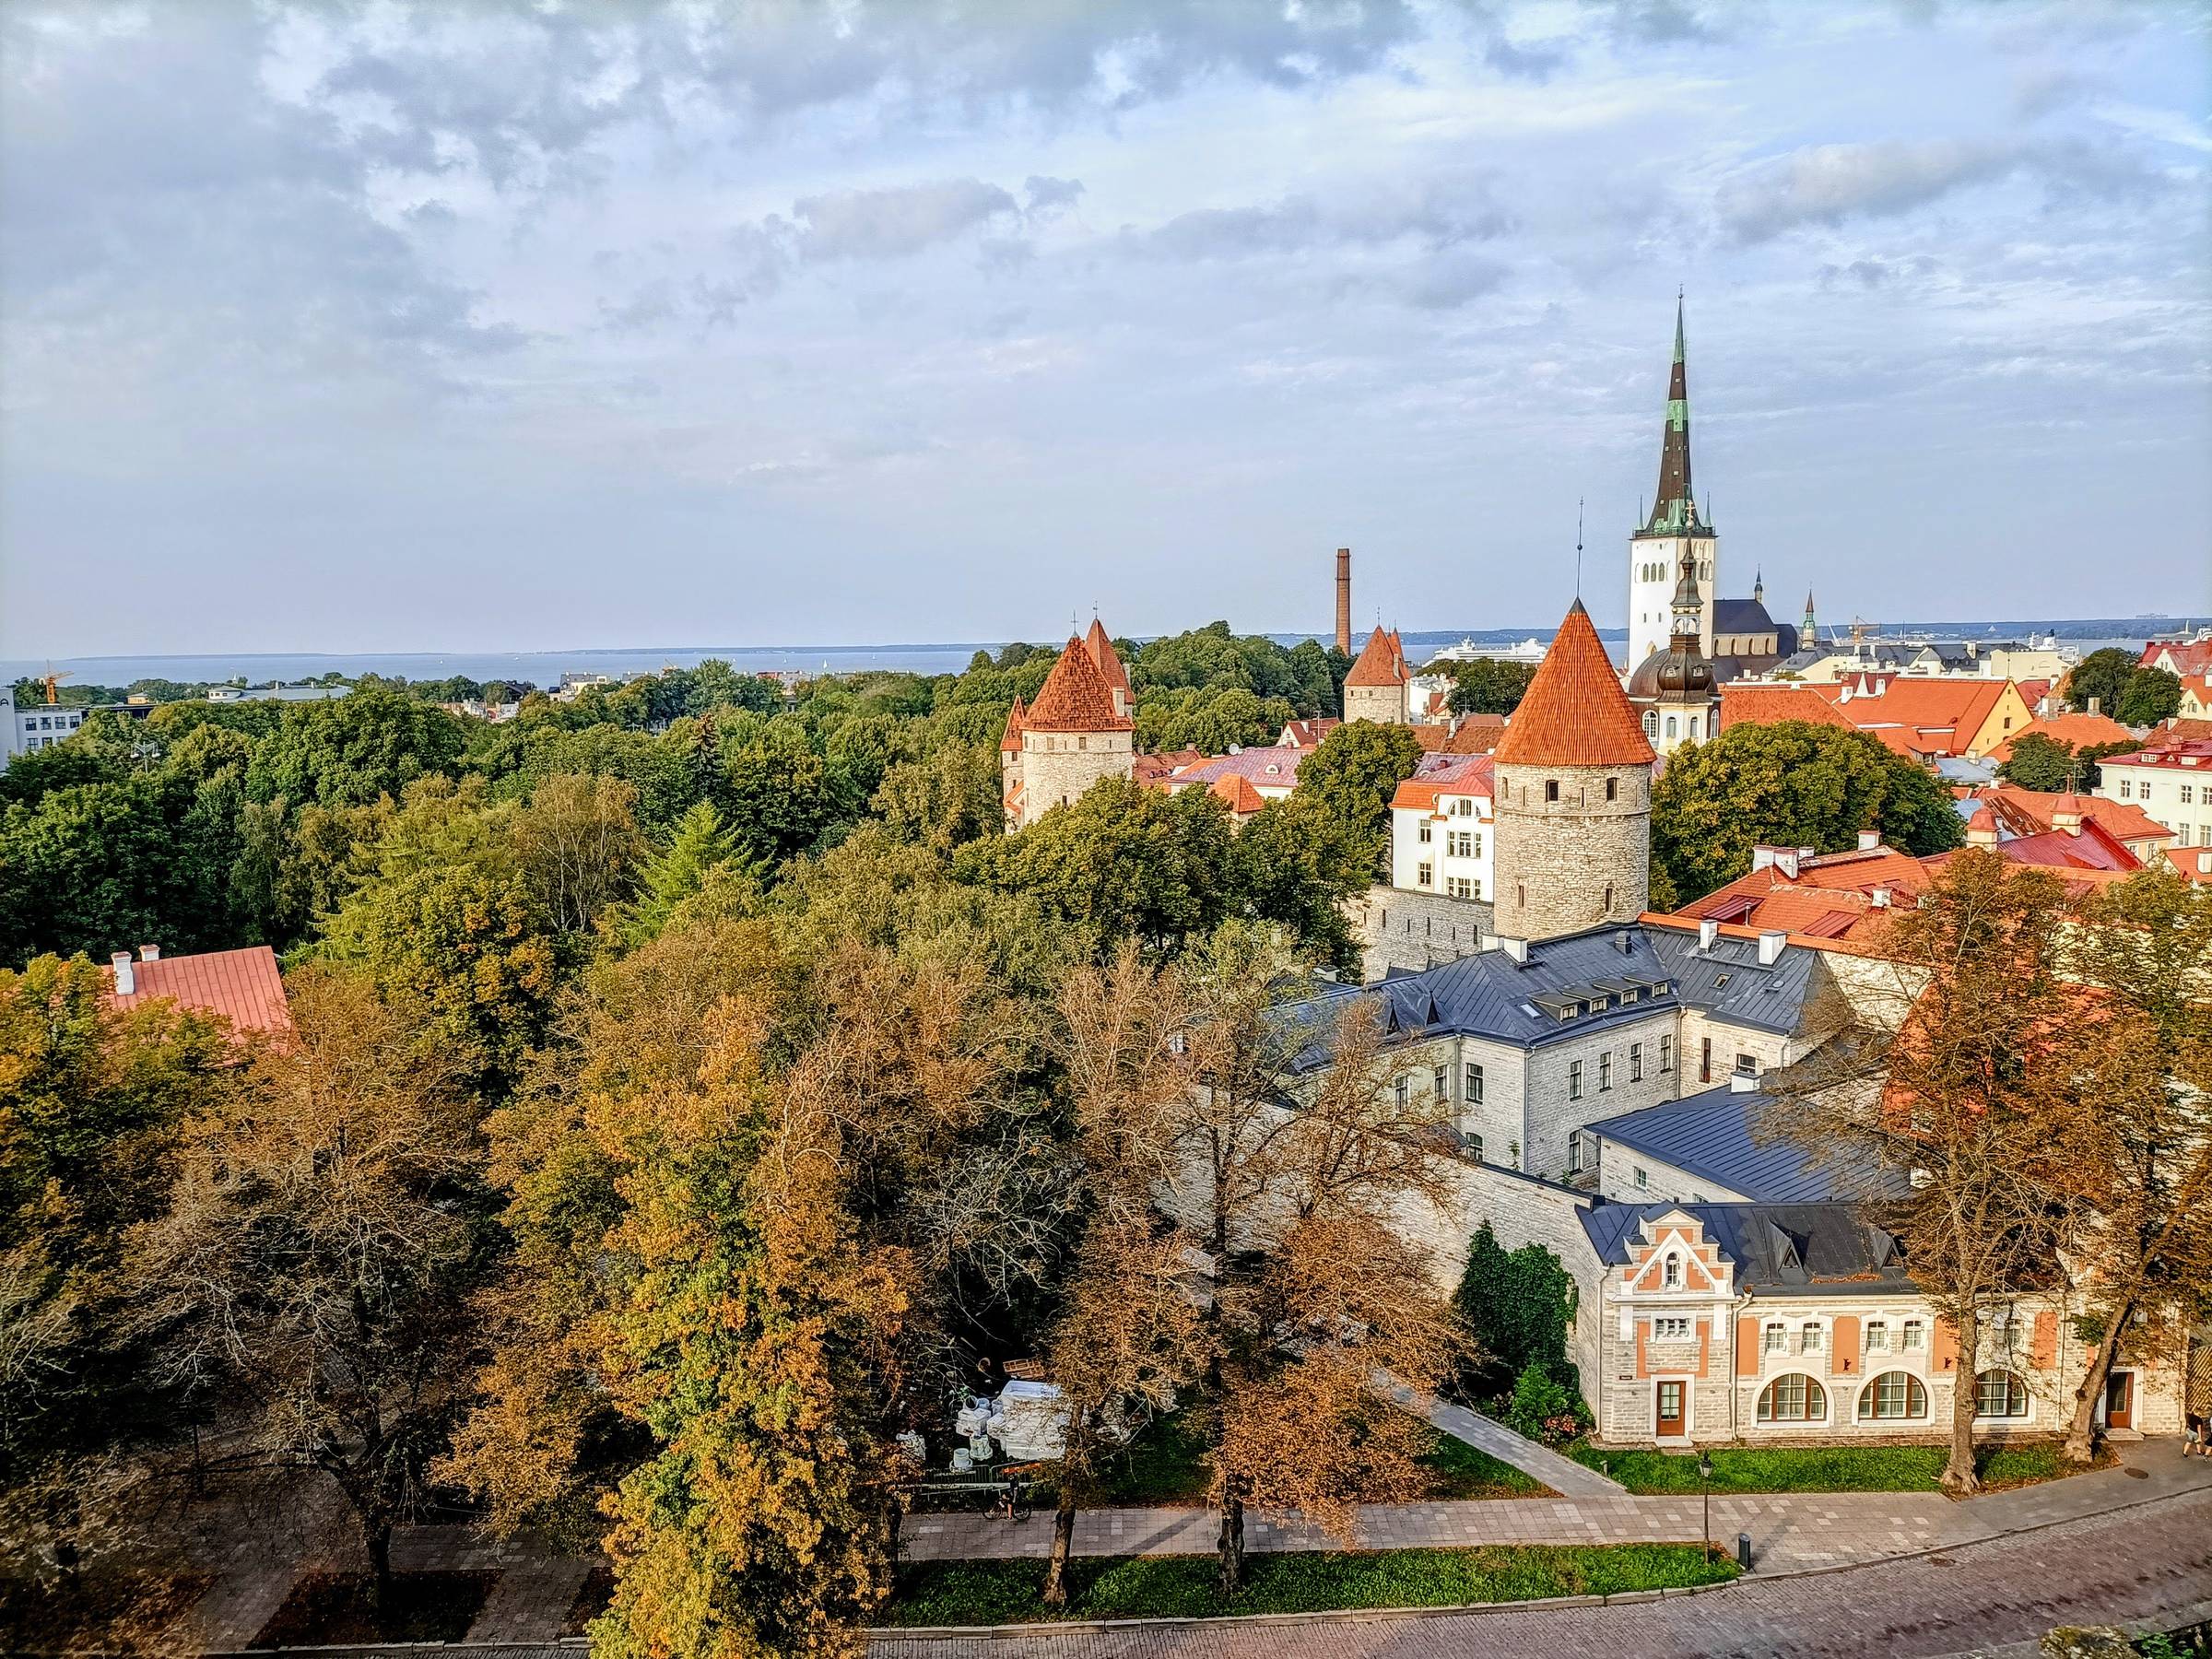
(2142,1565)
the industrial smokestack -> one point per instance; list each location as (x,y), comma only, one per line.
(1344,600)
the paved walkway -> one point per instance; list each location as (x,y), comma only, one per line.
(2149,1567)
(1789,1531)
(1561,1473)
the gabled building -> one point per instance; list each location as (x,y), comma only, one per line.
(2023,813)
(2172,785)
(244,986)
(1378,686)
(2075,731)
(1442,827)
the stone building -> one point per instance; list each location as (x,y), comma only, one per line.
(1378,686)
(1077,732)
(1737,636)
(1572,785)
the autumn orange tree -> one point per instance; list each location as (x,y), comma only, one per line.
(2136,1163)
(1956,1090)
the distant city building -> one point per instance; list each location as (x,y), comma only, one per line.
(37,729)
(1674,691)
(2173,786)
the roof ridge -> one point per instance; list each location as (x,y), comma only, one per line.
(1574,713)
(1074,696)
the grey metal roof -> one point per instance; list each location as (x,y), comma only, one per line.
(1801,1247)
(1492,996)
(1711,1135)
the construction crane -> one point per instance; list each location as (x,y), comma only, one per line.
(50,679)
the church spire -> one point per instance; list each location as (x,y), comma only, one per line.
(1676,510)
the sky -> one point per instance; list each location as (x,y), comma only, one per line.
(373,326)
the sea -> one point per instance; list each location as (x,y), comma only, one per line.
(545,667)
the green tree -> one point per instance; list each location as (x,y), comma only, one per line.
(700,854)
(778,799)
(1121,862)
(1296,862)
(1488,685)
(2152,695)
(1351,777)
(945,800)
(2103,675)
(2039,762)
(1211,721)
(1793,784)
(350,749)
(1516,1307)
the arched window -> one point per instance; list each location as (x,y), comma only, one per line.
(1651,723)
(1794,1398)
(1894,1397)
(1670,725)
(1672,1272)
(2000,1393)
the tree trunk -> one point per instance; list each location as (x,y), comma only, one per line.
(2081,1434)
(376,1534)
(1960,1480)
(1064,1541)
(1232,1545)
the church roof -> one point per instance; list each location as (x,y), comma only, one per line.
(1016,716)
(1574,713)
(1675,508)
(1382,662)
(1075,696)
(1109,664)
(1741,616)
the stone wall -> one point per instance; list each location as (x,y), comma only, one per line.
(1550,1111)
(1058,767)
(1385,705)
(1399,927)
(1578,862)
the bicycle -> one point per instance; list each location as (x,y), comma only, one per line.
(1011,1504)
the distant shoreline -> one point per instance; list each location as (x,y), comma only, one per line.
(545,667)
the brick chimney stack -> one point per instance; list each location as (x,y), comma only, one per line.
(1344,600)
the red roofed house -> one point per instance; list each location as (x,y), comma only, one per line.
(2197,696)
(2179,657)
(1442,827)
(1573,797)
(1236,792)
(1307,734)
(1380,683)
(1927,719)
(2193,863)
(1743,704)
(2172,785)
(2022,813)
(2076,847)
(1271,773)
(1838,896)
(1078,733)
(244,986)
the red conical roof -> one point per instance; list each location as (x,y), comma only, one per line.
(1382,662)
(1075,697)
(1575,713)
(1109,664)
(1017,717)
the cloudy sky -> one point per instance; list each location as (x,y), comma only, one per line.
(375,326)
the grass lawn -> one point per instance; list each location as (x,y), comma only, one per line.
(1165,1466)
(333,1608)
(1815,1468)
(976,1593)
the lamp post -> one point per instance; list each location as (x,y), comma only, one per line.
(1705,1491)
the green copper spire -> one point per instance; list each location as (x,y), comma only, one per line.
(1675,512)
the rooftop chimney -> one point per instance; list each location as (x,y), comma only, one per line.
(125,982)
(1769,946)
(2065,813)
(149,953)
(1708,930)
(1870,840)
(1344,600)
(2096,705)
(1742,1082)
(1515,948)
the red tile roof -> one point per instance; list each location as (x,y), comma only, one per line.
(1382,662)
(1770,705)
(1237,791)
(2193,863)
(1475,735)
(2077,731)
(2180,729)
(1575,713)
(1933,716)
(1011,742)
(2028,812)
(1307,734)
(1075,697)
(1108,665)
(2196,657)
(2191,754)
(1274,768)
(1830,896)
(244,986)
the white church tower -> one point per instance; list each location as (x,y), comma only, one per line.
(1674,532)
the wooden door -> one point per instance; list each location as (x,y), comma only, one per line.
(2120,1400)
(1670,1408)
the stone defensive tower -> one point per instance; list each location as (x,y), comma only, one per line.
(1573,797)
(1379,688)
(1078,733)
